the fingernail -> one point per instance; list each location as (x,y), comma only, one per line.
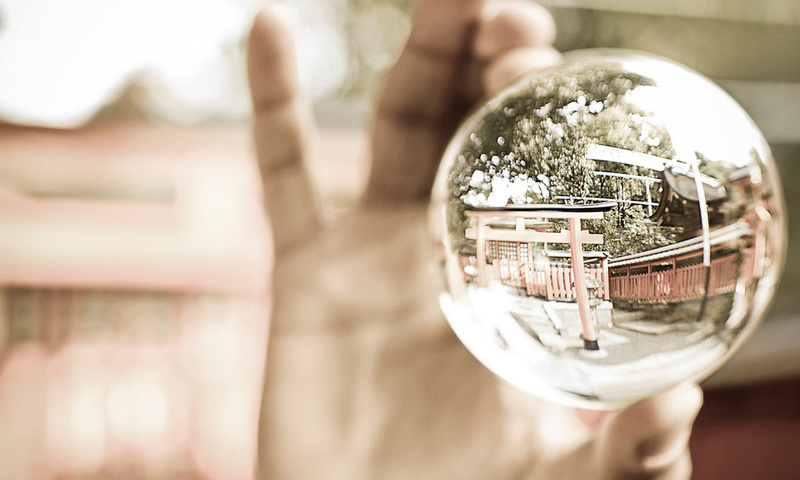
(591,418)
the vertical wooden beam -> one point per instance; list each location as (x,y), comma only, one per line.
(579,278)
(480,249)
(548,280)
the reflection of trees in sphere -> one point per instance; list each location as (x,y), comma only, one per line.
(533,151)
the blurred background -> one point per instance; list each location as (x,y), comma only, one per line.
(178,65)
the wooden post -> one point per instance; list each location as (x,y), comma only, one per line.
(480,250)
(548,281)
(579,278)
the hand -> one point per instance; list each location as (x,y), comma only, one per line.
(364,377)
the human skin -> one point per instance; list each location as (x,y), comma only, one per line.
(364,379)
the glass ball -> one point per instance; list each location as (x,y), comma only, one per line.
(607,229)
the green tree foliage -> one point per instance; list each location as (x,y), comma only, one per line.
(530,148)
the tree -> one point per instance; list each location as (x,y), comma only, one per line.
(530,147)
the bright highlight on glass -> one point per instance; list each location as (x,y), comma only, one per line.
(608,228)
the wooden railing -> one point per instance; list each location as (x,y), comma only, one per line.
(647,282)
(675,285)
(554,282)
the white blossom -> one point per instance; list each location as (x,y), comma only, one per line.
(477,179)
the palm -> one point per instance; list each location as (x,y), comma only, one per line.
(361,348)
(364,378)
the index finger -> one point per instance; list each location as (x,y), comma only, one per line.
(281,127)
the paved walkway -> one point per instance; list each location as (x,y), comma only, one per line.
(625,335)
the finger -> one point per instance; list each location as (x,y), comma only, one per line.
(513,65)
(514,38)
(282,126)
(650,438)
(422,100)
(511,24)
(440,75)
(438,48)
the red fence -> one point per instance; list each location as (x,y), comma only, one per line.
(554,281)
(641,284)
(647,282)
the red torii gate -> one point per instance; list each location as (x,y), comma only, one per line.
(574,236)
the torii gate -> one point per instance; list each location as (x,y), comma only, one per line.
(574,236)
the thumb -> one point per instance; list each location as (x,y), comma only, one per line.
(649,439)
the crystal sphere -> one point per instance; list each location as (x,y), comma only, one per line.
(607,229)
